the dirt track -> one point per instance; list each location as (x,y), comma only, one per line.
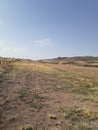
(26,97)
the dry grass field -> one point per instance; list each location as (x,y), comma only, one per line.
(56,94)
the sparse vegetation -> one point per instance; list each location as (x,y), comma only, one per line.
(33,99)
(49,94)
(79,118)
(26,127)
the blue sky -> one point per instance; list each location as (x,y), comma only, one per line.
(39,29)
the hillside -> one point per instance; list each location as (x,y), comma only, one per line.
(87,61)
(53,94)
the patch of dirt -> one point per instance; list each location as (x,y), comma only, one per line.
(25,98)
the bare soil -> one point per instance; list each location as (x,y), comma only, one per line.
(27,98)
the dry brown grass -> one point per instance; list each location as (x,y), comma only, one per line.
(32,90)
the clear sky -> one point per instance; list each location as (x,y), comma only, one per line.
(39,29)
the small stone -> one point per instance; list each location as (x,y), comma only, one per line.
(58,123)
(27,128)
(52,116)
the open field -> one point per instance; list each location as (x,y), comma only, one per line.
(56,94)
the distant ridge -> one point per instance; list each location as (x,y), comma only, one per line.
(86,61)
